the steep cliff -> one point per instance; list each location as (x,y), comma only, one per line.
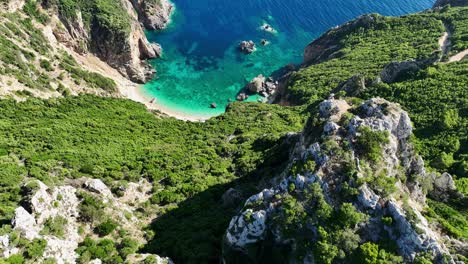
(112,31)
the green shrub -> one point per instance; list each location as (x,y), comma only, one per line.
(55,226)
(35,249)
(105,228)
(369,143)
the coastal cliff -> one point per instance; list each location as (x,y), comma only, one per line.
(113,32)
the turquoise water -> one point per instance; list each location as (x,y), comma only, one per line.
(201,64)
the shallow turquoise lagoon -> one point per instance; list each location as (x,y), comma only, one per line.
(201,63)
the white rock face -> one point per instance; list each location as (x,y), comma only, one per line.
(247,228)
(25,223)
(410,241)
(368,198)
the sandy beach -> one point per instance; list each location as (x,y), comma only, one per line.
(131,90)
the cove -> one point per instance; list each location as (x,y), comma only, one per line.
(201,64)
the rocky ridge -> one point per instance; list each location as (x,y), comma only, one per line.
(336,164)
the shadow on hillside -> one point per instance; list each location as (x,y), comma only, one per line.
(193,232)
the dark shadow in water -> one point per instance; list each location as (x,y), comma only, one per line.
(193,232)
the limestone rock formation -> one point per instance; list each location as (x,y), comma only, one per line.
(261,225)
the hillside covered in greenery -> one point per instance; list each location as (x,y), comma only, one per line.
(192,166)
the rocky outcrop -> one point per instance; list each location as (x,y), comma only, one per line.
(247,47)
(327,45)
(260,226)
(441,3)
(258,85)
(154,14)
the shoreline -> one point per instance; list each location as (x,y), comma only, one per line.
(136,93)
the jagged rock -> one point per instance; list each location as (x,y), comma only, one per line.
(368,198)
(242,97)
(247,228)
(256,85)
(443,187)
(5,249)
(155,15)
(330,127)
(11,6)
(127,52)
(247,47)
(411,241)
(213,105)
(149,50)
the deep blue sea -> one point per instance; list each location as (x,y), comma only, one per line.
(201,63)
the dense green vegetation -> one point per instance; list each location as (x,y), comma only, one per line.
(119,141)
(366,51)
(191,165)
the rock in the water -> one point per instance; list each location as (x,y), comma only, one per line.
(242,97)
(247,47)
(256,85)
(213,105)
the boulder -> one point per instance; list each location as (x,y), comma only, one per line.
(256,85)
(242,97)
(395,70)
(97,186)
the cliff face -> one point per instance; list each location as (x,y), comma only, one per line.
(114,34)
(154,14)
